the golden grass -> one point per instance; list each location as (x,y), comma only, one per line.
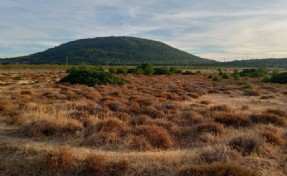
(151,126)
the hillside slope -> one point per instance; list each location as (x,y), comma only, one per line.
(113,51)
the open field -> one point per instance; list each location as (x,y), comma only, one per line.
(154,125)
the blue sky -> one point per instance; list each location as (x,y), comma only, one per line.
(215,29)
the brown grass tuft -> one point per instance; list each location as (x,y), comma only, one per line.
(101,139)
(191,117)
(234,120)
(157,136)
(96,164)
(276,112)
(246,145)
(138,143)
(213,128)
(111,125)
(268,119)
(221,108)
(216,169)
(272,138)
(62,158)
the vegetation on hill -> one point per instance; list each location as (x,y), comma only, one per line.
(257,63)
(112,51)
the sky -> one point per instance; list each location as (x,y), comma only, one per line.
(222,30)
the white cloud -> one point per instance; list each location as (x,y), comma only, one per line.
(219,29)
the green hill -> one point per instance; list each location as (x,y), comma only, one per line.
(112,51)
(275,63)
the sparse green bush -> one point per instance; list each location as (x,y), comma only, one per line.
(18,77)
(225,76)
(216,78)
(280,78)
(122,70)
(112,70)
(91,78)
(148,69)
(261,72)
(162,71)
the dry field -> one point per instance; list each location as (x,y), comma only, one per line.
(154,125)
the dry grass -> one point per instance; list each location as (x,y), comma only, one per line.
(216,169)
(151,126)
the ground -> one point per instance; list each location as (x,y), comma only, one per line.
(154,125)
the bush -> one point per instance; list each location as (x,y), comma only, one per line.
(268,119)
(157,136)
(246,145)
(216,78)
(113,70)
(62,158)
(18,77)
(147,68)
(272,138)
(261,72)
(216,169)
(122,70)
(162,71)
(135,71)
(225,76)
(91,78)
(280,78)
(234,120)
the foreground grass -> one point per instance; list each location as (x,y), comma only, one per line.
(154,125)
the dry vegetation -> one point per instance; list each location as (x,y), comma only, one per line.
(154,125)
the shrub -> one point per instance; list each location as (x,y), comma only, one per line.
(61,158)
(157,136)
(246,145)
(272,138)
(18,77)
(112,125)
(174,70)
(216,169)
(139,143)
(261,72)
(234,120)
(216,78)
(221,108)
(135,71)
(96,164)
(51,128)
(113,70)
(276,112)
(280,78)
(191,117)
(211,127)
(118,168)
(219,153)
(91,78)
(100,139)
(162,71)
(122,70)
(225,76)
(268,119)
(148,69)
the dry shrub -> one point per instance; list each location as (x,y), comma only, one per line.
(123,116)
(267,97)
(221,108)
(51,128)
(252,93)
(268,119)
(193,95)
(157,136)
(139,120)
(205,102)
(145,102)
(5,104)
(118,168)
(138,143)
(276,112)
(168,125)
(213,128)
(112,125)
(167,106)
(150,111)
(26,92)
(246,144)
(234,120)
(219,153)
(102,139)
(216,169)
(96,164)
(62,158)
(272,138)
(191,117)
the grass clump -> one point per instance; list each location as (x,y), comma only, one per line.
(246,145)
(62,158)
(216,169)
(92,77)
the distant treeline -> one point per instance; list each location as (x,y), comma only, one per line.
(257,63)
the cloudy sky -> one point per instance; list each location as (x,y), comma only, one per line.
(215,29)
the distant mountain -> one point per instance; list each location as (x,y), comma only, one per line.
(276,63)
(112,51)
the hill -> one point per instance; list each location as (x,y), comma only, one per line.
(276,63)
(112,51)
